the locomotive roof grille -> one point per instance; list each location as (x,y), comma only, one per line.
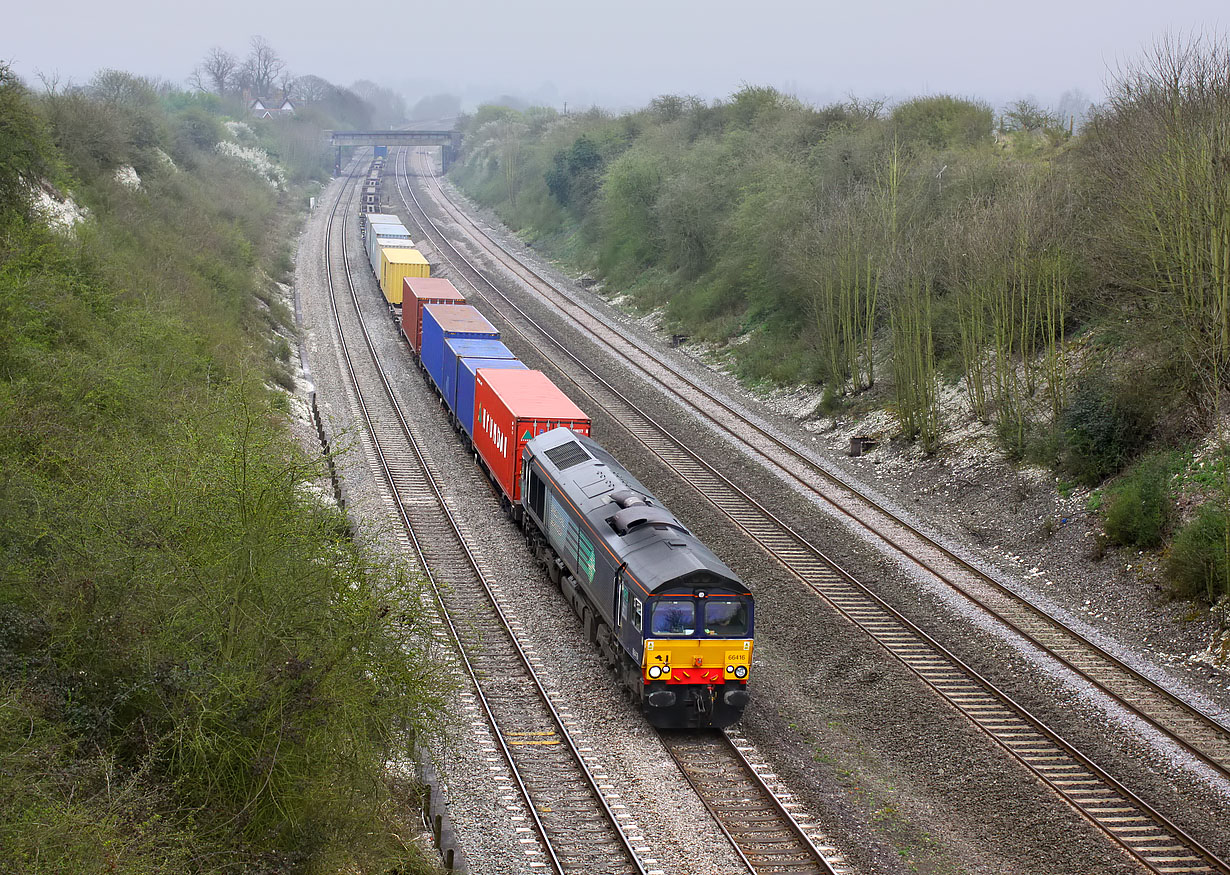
(567,455)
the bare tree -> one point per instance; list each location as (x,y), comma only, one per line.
(216,71)
(262,67)
(288,84)
(868,108)
(1027,115)
(117,86)
(50,80)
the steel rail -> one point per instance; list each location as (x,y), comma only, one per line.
(1105,802)
(1190,728)
(544,834)
(822,859)
(766,836)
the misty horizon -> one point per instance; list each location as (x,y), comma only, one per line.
(555,54)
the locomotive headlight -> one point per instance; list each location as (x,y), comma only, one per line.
(730,669)
(655,672)
(741,672)
(666,669)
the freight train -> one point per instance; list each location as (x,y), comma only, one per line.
(391,254)
(671,620)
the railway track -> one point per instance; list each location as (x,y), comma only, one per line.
(768,837)
(569,825)
(1146,834)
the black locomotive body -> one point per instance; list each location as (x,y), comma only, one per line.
(669,617)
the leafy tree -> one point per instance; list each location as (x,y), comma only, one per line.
(26,155)
(575,175)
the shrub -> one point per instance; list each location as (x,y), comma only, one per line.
(25,152)
(1138,508)
(1196,564)
(943,121)
(93,138)
(200,669)
(830,402)
(1103,428)
(196,128)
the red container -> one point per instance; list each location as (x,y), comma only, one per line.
(418,291)
(510,407)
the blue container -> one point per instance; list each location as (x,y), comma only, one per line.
(465,347)
(442,322)
(467,374)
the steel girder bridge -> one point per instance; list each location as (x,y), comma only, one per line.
(448,141)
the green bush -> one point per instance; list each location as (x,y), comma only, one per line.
(1138,507)
(943,121)
(830,402)
(1196,564)
(200,669)
(1103,428)
(25,150)
(196,128)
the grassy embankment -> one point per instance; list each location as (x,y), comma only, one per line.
(200,670)
(1074,286)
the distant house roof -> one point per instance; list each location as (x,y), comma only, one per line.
(260,107)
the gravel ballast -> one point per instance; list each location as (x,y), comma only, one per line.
(619,745)
(805,656)
(895,778)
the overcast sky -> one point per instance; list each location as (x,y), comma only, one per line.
(622,53)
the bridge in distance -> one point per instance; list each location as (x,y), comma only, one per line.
(448,141)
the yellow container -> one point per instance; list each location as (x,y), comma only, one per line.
(396,264)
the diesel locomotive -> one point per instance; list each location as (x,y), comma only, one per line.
(672,620)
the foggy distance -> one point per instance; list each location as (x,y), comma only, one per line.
(621,55)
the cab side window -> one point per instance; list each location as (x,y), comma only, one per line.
(636,614)
(537,495)
(623,604)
